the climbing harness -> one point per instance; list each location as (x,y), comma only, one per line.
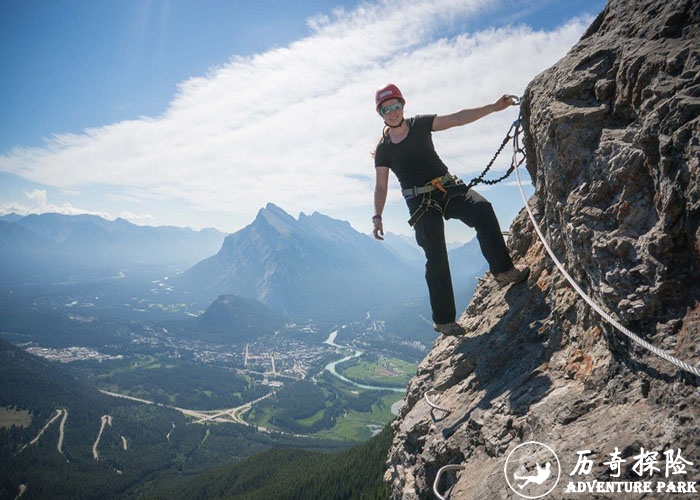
(453,186)
(444,468)
(450,185)
(440,183)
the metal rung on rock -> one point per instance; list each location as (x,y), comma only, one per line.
(437,478)
(433,405)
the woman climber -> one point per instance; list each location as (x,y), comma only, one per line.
(432,193)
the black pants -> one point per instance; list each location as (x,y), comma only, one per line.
(475,211)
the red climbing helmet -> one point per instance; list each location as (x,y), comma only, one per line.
(390,91)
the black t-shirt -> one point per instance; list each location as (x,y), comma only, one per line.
(413,160)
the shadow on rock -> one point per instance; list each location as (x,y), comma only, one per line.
(506,359)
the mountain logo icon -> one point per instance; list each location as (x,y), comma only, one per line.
(532,470)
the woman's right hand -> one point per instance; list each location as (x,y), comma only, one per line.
(378,228)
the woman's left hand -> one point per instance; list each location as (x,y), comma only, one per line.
(503,102)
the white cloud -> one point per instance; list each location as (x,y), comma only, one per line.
(295,125)
(37,202)
(140,219)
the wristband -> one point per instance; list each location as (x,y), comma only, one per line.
(377,217)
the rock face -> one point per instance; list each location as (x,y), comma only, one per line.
(613,146)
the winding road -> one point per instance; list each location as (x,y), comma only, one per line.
(106,420)
(203,416)
(53,419)
(61,431)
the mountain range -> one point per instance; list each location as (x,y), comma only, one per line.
(310,266)
(46,248)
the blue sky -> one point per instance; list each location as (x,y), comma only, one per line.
(199,113)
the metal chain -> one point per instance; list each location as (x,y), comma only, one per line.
(515,128)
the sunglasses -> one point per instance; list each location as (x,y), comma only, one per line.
(385,110)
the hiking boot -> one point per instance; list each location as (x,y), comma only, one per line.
(512,275)
(453,328)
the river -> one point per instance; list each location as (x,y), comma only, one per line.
(331,367)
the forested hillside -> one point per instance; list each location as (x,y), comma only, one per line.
(355,474)
(70,436)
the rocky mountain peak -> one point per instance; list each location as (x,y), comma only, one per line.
(277,218)
(313,266)
(612,134)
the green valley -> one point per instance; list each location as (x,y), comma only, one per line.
(133,403)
